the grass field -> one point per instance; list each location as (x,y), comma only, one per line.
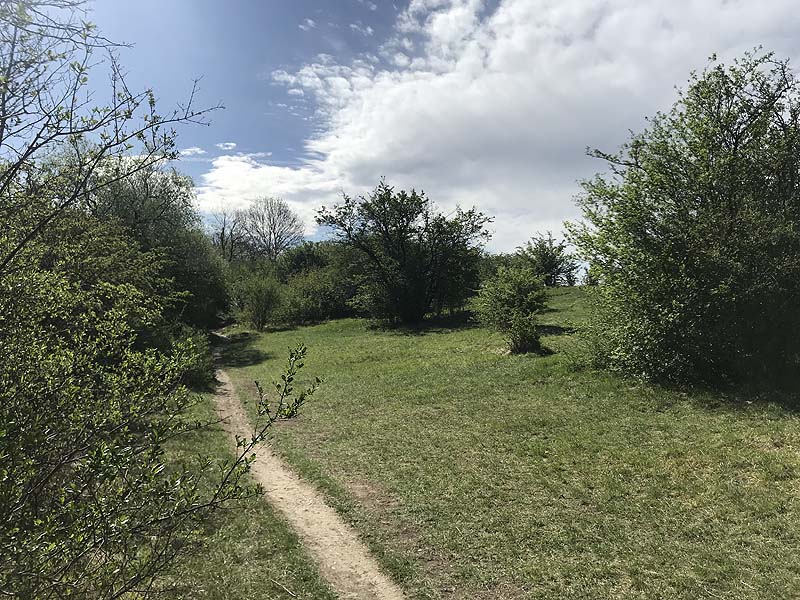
(248,551)
(475,474)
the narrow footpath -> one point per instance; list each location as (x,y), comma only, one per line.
(341,557)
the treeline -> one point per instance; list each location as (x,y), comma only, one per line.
(392,257)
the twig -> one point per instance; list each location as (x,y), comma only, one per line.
(288,591)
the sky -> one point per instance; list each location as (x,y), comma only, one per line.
(486,103)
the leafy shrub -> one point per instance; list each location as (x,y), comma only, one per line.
(695,237)
(510,302)
(257,299)
(198,371)
(415,260)
(313,296)
(550,260)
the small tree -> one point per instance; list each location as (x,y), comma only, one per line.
(550,260)
(416,259)
(271,227)
(510,302)
(695,236)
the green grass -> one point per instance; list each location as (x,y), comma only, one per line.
(247,551)
(476,474)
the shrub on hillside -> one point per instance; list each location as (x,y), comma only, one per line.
(510,302)
(549,259)
(695,237)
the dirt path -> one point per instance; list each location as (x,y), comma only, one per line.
(341,556)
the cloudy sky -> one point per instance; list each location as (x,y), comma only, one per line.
(477,102)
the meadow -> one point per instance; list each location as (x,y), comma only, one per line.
(472,473)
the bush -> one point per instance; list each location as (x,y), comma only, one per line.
(509,302)
(314,296)
(549,259)
(695,237)
(199,366)
(257,299)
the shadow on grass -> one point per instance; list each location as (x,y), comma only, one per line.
(238,351)
(554,330)
(434,324)
(780,389)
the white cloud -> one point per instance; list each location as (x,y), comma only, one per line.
(307,25)
(363,30)
(496,110)
(193,151)
(226,145)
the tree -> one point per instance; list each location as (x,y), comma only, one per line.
(272,227)
(695,235)
(228,234)
(510,302)
(416,259)
(156,207)
(46,53)
(550,260)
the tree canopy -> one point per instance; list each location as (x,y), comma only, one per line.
(695,234)
(418,260)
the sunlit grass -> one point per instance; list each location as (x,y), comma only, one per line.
(473,473)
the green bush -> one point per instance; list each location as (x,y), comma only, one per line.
(695,237)
(314,296)
(510,302)
(257,299)
(199,366)
(414,259)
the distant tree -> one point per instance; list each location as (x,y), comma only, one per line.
(695,235)
(550,260)
(510,301)
(271,227)
(416,259)
(228,234)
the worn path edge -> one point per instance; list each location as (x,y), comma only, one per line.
(341,557)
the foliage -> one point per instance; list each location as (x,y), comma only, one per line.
(198,372)
(696,235)
(156,207)
(257,298)
(315,295)
(89,505)
(416,259)
(550,260)
(91,385)
(47,50)
(510,302)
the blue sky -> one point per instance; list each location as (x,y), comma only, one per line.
(490,103)
(234,46)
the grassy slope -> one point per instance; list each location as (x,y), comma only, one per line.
(477,474)
(249,551)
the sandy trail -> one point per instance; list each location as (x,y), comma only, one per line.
(341,557)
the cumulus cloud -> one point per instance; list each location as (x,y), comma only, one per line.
(193,151)
(495,108)
(226,145)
